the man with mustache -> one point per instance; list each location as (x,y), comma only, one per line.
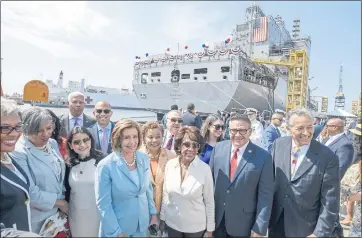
(243,180)
(75,116)
(307,188)
(173,124)
(102,129)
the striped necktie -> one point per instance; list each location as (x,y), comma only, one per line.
(295,157)
(169,143)
(104,143)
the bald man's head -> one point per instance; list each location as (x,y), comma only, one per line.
(335,126)
(103,112)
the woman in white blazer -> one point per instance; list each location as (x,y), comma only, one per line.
(39,157)
(188,208)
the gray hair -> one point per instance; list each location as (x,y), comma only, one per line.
(9,107)
(300,112)
(74,94)
(33,118)
(172,111)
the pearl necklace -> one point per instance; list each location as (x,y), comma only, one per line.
(125,161)
(156,157)
(6,160)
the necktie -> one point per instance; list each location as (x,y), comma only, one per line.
(104,142)
(233,163)
(295,157)
(76,119)
(278,132)
(169,143)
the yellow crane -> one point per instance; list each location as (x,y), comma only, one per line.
(297,86)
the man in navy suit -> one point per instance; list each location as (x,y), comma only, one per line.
(243,178)
(272,132)
(102,129)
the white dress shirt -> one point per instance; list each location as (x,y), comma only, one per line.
(302,153)
(240,153)
(333,138)
(167,138)
(188,207)
(257,134)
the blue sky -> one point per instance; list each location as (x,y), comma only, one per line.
(99,40)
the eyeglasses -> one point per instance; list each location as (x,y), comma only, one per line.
(78,142)
(240,131)
(9,129)
(218,127)
(106,111)
(176,120)
(188,145)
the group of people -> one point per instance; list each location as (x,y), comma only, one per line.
(179,178)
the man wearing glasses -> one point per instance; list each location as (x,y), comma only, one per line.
(307,187)
(272,132)
(173,124)
(243,180)
(102,129)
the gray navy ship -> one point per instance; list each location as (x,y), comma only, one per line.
(223,78)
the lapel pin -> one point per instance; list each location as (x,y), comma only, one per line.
(26,201)
(249,151)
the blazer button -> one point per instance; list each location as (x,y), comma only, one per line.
(286,195)
(228,191)
(224,204)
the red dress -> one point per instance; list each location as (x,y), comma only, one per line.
(63,147)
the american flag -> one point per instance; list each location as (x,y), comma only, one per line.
(260,29)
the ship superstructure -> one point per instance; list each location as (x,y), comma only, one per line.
(224,77)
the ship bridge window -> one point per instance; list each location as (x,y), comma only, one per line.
(185,76)
(144,78)
(156,74)
(200,71)
(225,69)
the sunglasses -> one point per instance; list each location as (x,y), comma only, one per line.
(78,142)
(106,111)
(218,127)
(188,145)
(240,131)
(176,120)
(9,129)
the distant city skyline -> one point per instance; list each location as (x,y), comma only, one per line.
(98,41)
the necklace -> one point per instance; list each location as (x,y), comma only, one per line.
(6,159)
(133,162)
(81,171)
(153,157)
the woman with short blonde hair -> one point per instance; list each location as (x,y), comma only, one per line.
(124,192)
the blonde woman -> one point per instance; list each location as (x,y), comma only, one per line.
(152,134)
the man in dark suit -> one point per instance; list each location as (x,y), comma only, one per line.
(307,188)
(272,132)
(75,116)
(340,144)
(243,178)
(190,117)
(102,129)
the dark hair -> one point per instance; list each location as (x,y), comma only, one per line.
(190,106)
(174,107)
(205,132)
(193,133)
(240,117)
(74,157)
(149,126)
(57,127)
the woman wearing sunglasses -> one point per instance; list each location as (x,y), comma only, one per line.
(14,190)
(188,208)
(79,183)
(212,131)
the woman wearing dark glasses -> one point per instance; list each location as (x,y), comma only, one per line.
(188,208)
(212,131)
(14,189)
(79,183)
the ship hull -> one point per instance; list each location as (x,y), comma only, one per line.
(209,97)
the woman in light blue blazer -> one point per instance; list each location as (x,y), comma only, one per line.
(40,159)
(123,187)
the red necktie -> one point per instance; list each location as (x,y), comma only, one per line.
(169,143)
(233,163)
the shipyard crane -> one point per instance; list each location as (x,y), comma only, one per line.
(297,85)
(340,99)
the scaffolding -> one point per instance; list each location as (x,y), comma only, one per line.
(297,87)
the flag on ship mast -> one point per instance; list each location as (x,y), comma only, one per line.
(260,29)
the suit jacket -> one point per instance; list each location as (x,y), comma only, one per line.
(189,119)
(123,206)
(343,148)
(310,199)
(248,197)
(270,135)
(95,133)
(14,193)
(64,121)
(157,182)
(44,185)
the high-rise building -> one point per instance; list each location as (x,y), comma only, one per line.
(355,107)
